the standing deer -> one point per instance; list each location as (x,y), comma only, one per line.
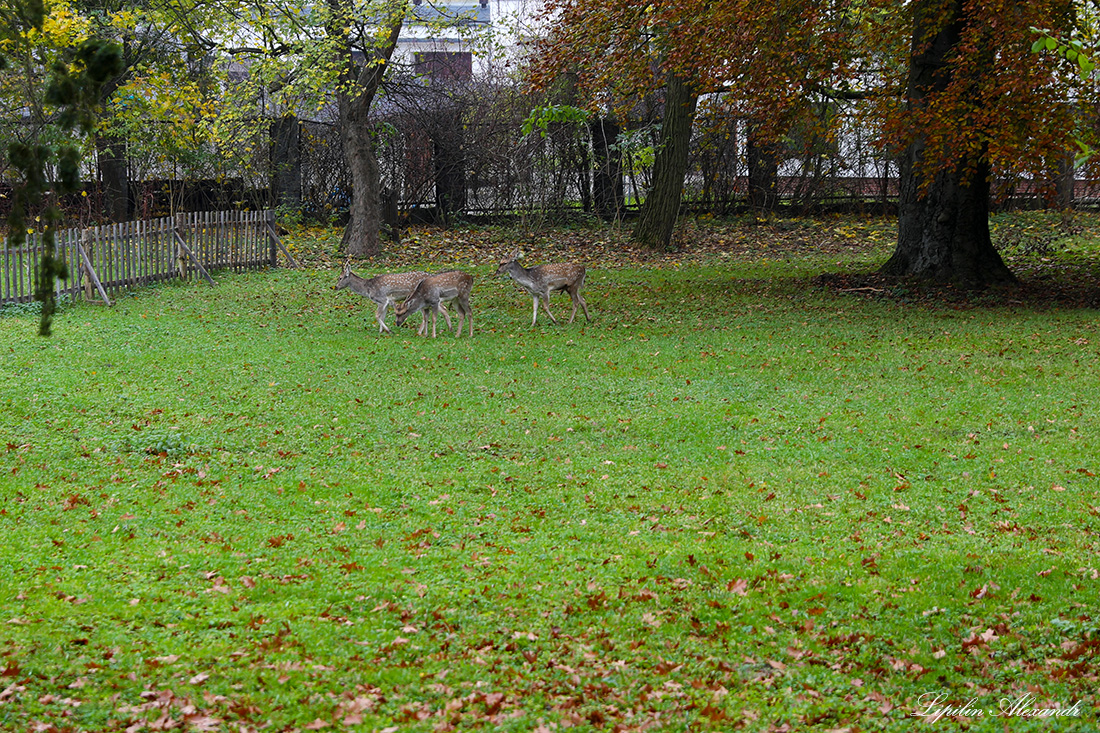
(385,290)
(433,291)
(542,280)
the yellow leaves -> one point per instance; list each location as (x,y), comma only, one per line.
(154,97)
(124,19)
(62,26)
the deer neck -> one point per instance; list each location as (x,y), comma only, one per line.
(521,274)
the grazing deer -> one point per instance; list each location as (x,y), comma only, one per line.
(542,280)
(385,290)
(434,290)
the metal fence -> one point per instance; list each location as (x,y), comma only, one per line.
(105,260)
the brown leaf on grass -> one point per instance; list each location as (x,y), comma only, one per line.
(203,723)
(220,586)
(665,668)
(493,702)
(738,587)
(986,590)
(713,714)
(73,502)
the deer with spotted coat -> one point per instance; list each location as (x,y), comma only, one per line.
(542,280)
(385,290)
(432,292)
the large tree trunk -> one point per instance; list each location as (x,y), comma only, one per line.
(358,87)
(943,222)
(943,230)
(662,204)
(361,235)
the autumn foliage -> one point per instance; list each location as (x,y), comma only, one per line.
(767,58)
(951,85)
(994,101)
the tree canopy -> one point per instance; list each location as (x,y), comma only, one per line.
(951,87)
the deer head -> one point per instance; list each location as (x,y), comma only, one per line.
(345,275)
(502,268)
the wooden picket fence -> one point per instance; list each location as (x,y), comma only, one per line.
(105,260)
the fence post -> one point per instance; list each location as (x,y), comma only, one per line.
(87,253)
(86,264)
(181,260)
(273,236)
(184,249)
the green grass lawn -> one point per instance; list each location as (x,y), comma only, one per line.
(734,500)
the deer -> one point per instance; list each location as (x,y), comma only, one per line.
(385,290)
(432,292)
(542,280)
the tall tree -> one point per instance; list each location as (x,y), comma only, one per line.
(148,36)
(977,104)
(953,88)
(615,52)
(302,59)
(662,204)
(357,86)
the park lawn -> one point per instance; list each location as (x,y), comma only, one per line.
(737,499)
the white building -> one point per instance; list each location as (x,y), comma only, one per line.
(459,39)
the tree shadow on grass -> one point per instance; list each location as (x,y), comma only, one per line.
(1042,285)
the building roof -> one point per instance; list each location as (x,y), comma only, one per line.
(472,12)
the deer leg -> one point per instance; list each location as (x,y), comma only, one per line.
(461,321)
(464,313)
(546,306)
(575,294)
(380,316)
(469,315)
(443,310)
(534,310)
